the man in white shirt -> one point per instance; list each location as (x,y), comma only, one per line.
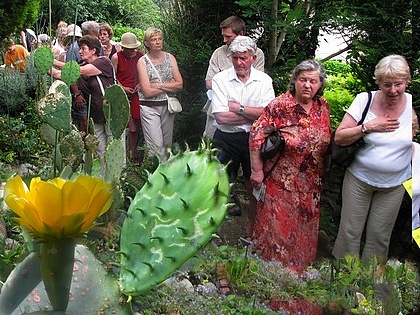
(221,60)
(239,95)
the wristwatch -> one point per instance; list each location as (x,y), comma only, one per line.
(241,110)
(364,130)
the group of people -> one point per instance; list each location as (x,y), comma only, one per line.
(148,78)
(284,225)
(242,110)
(15,56)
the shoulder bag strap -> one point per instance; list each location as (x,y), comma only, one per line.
(154,68)
(100,81)
(266,175)
(100,85)
(366,108)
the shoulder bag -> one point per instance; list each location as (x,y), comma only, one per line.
(174,106)
(273,145)
(344,155)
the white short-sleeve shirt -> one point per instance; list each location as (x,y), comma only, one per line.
(385,160)
(256,92)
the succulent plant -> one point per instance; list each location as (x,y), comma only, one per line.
(71,149)
(116,109)
(55,107)
(92,291)
(43,59)
(70,72)
(173,216)
(114,158)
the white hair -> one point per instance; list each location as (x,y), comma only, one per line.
(243,44)
(43,38)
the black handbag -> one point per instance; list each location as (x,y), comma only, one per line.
(273,145)
(344,155)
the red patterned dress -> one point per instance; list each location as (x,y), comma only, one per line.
(287,221)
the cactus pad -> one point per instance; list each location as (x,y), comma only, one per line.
(114,158)
(172,217)
(43,59)
(92,290)
(116,109)
(70,72)
(72,148)
(55,107)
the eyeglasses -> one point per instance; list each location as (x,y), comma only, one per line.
(388,85)
(156,39)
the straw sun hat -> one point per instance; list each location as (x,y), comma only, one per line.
(74,30)
(129,40)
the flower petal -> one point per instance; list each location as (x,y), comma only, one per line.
(15,186)
(15,192)
(75,198)
(58,208)
(48,201)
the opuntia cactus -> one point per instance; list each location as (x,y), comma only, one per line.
(48,133)
(43,59)
(71,149)
(114,158)
(173,216)
(55,107)
(116,109)
(93,290)
(70,72)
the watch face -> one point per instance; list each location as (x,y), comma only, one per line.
(364,129)
(241,110)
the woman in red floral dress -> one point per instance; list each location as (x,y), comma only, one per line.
(287,221)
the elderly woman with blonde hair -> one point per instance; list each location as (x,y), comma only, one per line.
(159,77)
(372,189)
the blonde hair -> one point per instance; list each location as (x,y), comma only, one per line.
(149,33)
(394,66)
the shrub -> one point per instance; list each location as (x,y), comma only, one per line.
(341,89)
(19,136)
(339,100)
(13,91)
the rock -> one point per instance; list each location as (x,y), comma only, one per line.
(182,284)
(207,288)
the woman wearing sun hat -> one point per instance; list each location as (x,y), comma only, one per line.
(125,62)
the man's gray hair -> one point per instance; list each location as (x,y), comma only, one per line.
(90,28)
(243,44)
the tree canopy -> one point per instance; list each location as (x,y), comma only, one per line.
(17,15)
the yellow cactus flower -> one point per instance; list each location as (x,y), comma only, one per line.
(58,208)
